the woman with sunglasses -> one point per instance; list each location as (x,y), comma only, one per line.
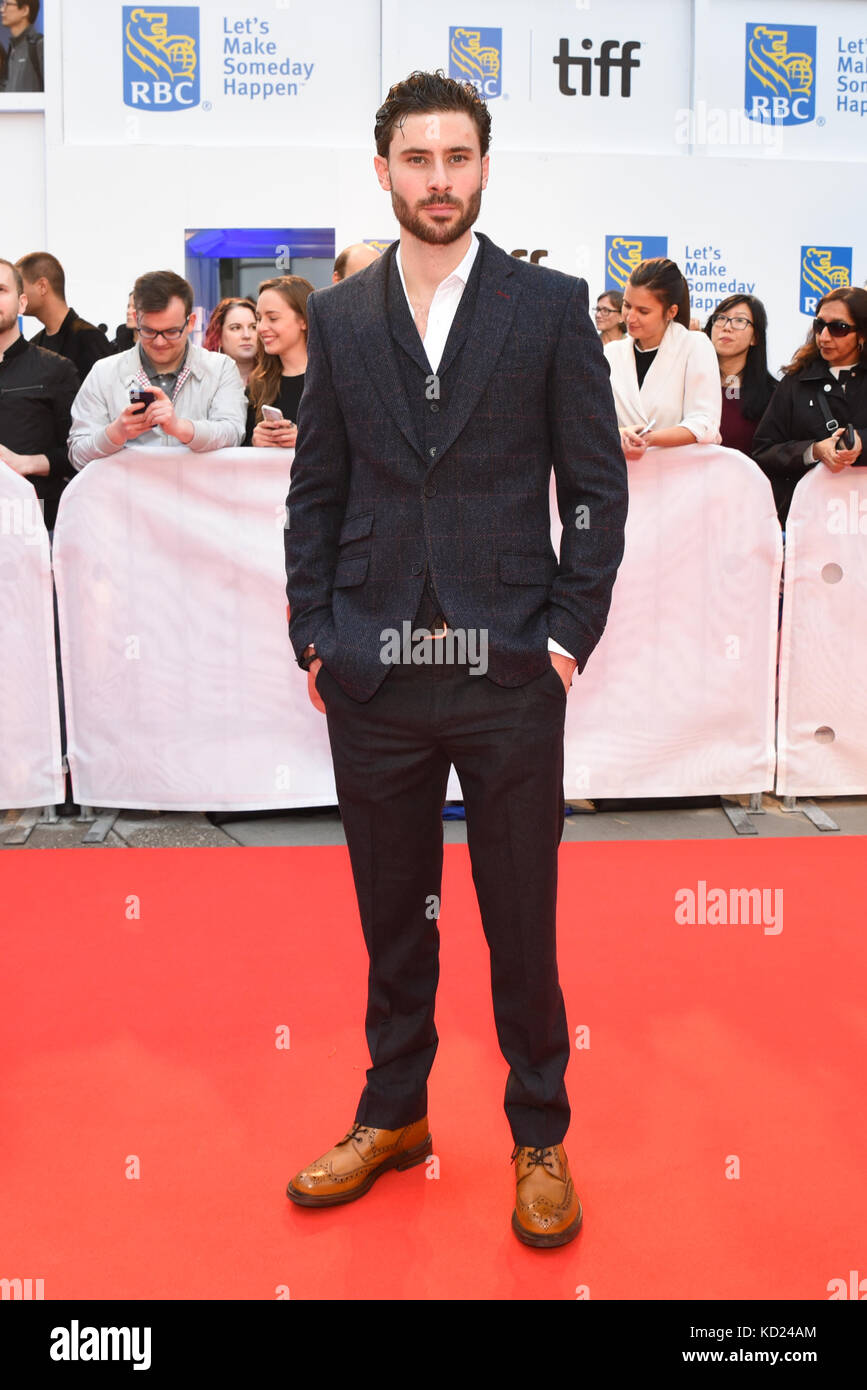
(609,317)
(738,329)
(824,389)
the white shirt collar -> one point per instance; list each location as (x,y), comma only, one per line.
(461,272)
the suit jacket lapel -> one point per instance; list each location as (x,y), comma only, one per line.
(373,333)
(496,299)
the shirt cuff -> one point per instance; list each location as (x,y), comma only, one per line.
(808,455)
(561,651)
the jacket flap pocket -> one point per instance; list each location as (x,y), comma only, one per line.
(354,527)
(527,569)
(351,571)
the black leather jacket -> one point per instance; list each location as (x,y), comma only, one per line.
(37,389)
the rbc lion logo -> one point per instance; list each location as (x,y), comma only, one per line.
(624,253)
(823,268)
(161,58)
(476,55)
(780,74)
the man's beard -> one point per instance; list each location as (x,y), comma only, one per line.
(7,322)
(432,232)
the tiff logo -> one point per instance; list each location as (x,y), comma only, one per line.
(605,60)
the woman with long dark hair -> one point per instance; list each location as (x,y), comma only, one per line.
(738,329)
(278,376)
(665,378)
(824,389)
(232,330)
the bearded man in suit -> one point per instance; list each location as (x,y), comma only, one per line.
(444,382)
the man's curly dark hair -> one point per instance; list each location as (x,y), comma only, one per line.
(429,91)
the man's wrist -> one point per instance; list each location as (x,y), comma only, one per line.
(184,431)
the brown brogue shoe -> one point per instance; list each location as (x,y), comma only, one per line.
(351,1168)
(547,1211)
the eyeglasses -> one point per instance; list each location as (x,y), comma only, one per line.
(597,311)
(738,322)
(836,327)
(171,335)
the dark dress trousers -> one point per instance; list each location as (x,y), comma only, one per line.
(415,493)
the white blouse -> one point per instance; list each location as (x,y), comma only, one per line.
(682,385)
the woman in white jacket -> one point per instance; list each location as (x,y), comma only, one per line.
(662,375)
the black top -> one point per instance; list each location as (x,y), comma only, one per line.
(288,400)
(124,338)
(23,67)
(78,340)
(643,360)
(37,389)
(794,419)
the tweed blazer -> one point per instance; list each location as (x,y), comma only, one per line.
(369,511)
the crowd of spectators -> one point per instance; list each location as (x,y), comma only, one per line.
(70,395)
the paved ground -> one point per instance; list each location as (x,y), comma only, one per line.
(633,820)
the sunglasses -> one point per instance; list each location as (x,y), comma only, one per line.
(836,327)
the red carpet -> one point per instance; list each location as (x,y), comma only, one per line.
(155,1036)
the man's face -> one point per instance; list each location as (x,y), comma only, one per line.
(11,302)
(166,352)
(435,174)
(15,16)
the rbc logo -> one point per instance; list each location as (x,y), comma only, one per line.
(780,74)
(476,55)
(623,254)
(161,68)
(823,268)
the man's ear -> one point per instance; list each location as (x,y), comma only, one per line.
(380,164)
(192,322)
(485,163)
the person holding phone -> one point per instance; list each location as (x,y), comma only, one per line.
(277,379)
(665,379)
(164,390)
(823,390)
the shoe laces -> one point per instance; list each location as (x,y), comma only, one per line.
(357,1132)
(537,1155)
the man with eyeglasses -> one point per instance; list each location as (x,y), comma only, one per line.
(197,396)
(22,67)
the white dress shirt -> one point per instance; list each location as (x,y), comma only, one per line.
(441,314)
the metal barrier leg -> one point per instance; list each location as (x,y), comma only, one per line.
(22,826)
(102,823)
(814,813)
(739,816)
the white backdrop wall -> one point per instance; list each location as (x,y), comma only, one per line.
(740,204)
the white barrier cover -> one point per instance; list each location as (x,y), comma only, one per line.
(678,697)
(182,690)
(30,759)
(822,730)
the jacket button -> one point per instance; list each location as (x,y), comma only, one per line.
(433,452)
(415,569)
(434,407)
(827,386)
(430,490)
